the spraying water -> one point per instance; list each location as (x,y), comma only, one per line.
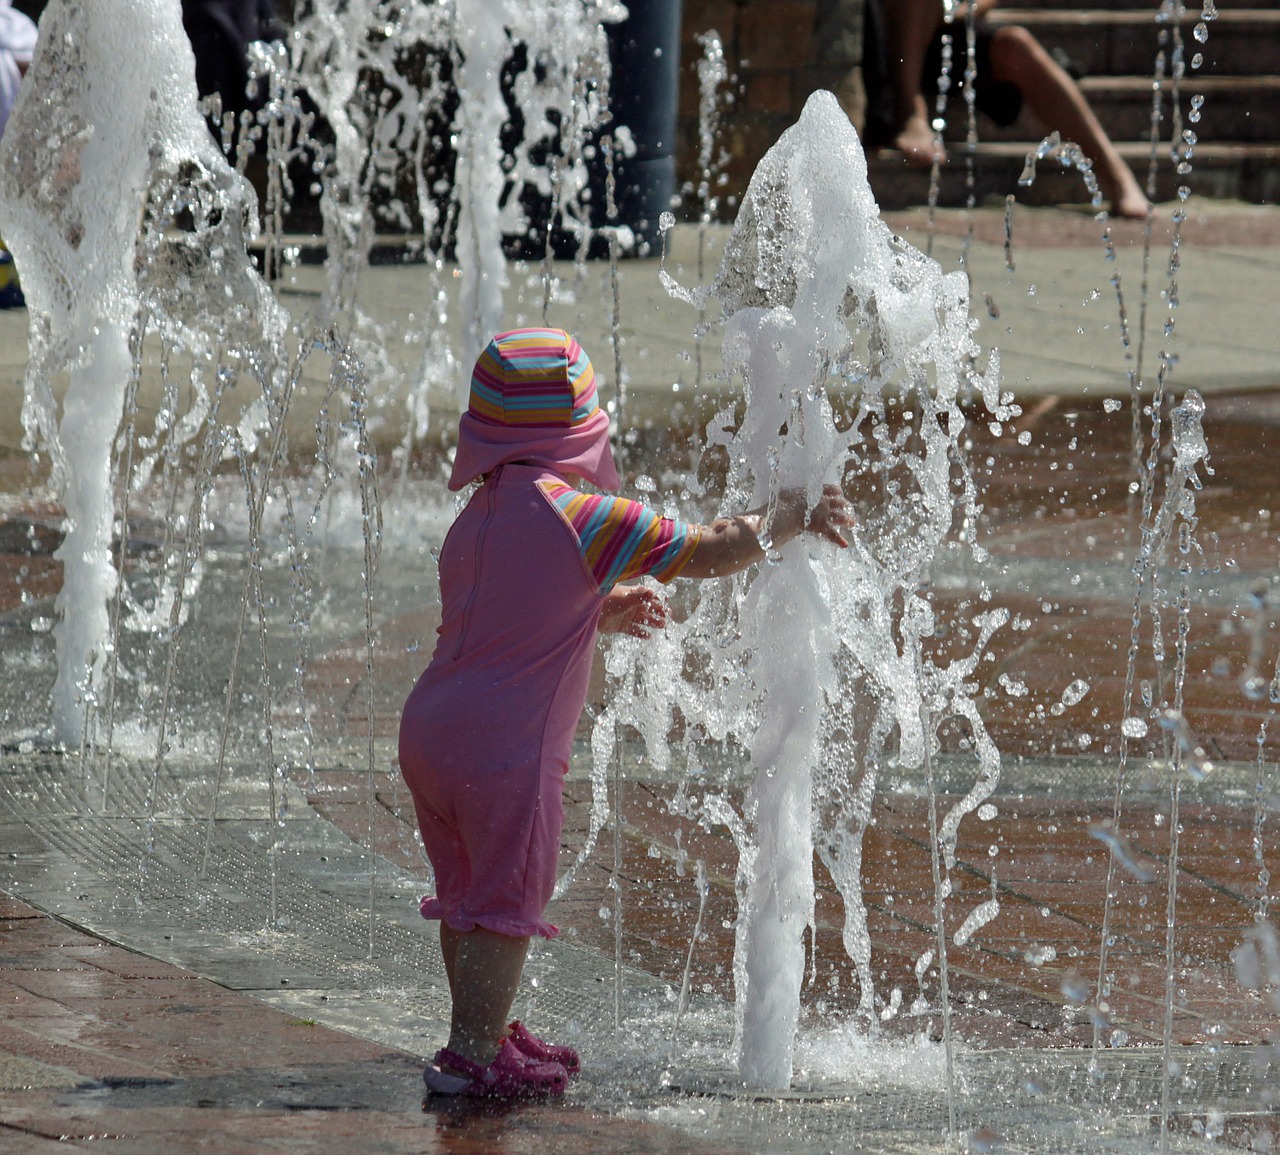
(116,202)
(851,347)
(127,218)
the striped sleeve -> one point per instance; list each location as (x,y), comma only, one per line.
(622,539)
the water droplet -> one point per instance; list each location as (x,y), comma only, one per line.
(1133,728)
(1075,692)
(1074,988)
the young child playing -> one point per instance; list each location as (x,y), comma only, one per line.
(530,571)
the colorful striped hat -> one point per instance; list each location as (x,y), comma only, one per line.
(533,400)
(533,377)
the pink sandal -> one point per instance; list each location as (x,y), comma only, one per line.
(529,1044)
(511,1075)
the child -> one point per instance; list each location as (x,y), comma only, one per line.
(529,572)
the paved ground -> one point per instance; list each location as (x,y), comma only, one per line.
(102,1048)
(1054,316)
(131,1051)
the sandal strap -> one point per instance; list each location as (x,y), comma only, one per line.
(447,1058)
(536,1048)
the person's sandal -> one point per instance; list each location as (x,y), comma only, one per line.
(511,1075)
(535,1048)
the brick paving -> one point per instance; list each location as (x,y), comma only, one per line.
(118,1051)
(1049,874)
(1049,870)
(106,1050)
(1062,497)
(121,1024)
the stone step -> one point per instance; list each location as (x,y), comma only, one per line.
(1121,42)
(1235,108)
(1235,170)
(1193,9)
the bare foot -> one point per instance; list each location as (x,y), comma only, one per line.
(1131,205)
(920,145)
(1126,196)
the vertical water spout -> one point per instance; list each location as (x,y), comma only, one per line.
(83,152)
(819,665)
(779,884)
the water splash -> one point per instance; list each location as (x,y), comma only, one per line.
(851,348)
(713,73)
(977,918)
(88,269)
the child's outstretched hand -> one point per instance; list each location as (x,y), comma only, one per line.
(831,512)
(730,544)
(632,610)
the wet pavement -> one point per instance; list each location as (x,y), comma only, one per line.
(150,1002)
(102,1048)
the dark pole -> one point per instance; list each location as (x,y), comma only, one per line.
(645,52)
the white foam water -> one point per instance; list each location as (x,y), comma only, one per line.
(117,204)
(852,349)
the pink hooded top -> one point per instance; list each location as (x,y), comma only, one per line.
(487,732)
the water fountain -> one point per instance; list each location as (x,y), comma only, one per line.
(853,359)
(824,306)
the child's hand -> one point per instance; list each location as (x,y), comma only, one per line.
(730,544)
(831,512)
(632,610)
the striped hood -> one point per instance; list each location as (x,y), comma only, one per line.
(533,399)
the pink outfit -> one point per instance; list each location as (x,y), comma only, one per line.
(583,451)
(486,733)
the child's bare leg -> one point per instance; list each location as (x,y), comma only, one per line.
(910,25)
(449,939)
(1019,58)
(484,971)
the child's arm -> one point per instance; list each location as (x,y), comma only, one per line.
(632,610)
(730,544)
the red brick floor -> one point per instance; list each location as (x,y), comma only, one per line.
(1050,877)
(143,1057)
(1051,499)
(1063,497)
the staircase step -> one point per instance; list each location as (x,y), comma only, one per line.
(1125,41)
(1193,10)
(1116,44)
(1234,108)
(1238,170)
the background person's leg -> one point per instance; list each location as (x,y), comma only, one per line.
(1020,59)
(910,26)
